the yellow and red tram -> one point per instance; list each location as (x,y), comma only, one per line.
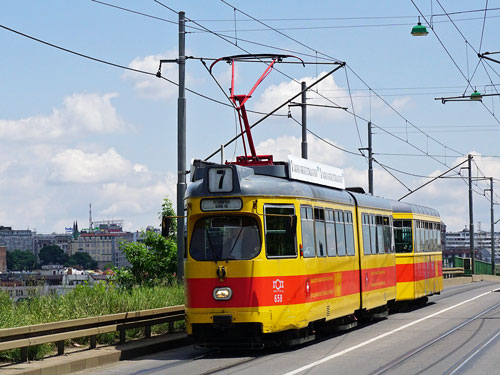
(419,261)
(271,258)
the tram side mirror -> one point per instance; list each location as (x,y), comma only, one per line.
(291,226)
(165,226)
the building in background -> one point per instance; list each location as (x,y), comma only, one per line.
(42,240)
(3,259)
(102,243)
(14,239)
(458,244)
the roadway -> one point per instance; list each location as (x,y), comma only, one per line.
(457,332)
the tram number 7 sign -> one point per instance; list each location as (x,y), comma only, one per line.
(220,180)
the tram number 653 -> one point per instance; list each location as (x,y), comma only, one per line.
(278,298)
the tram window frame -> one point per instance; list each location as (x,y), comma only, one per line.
(211,231)
(340,233)
(365,219)
(438,227)
(434,236)
(403,229)
(349,233)
(418,244)
(387,234)
(281,231)
(373,233)
(319,231)
(330,232)
(307,227)
(379,221)
(427,246)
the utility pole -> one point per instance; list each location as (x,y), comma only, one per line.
(370,159)
(471,215)
(493,269)
(181,146)
(304,121)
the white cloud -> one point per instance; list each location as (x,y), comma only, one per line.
(126,198)
(286,145)
(152,87)
(76,166)
(275,95)
(80,114)
(400,104)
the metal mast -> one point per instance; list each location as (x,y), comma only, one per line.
(181,146)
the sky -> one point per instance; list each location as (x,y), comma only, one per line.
(76,131)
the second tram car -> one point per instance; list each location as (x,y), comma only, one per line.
(419,261)
(270,258)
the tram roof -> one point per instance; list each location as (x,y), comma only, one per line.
(404,207)
(250,182)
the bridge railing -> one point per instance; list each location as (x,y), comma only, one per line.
(57,332)
(480,267)
(453,272)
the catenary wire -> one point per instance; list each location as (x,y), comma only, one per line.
(123,67)
(329,56)
(312,49)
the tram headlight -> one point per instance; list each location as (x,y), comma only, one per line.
(222,294)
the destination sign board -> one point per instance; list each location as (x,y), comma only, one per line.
(317,173)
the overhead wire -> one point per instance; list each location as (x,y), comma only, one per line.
(365,84)
(225,2)
(326,141)
(234,8)
(121,67)
(467,43)
(336,27)
(312,49)
(344,18)
(446,147)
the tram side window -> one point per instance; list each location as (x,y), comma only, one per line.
(373,234)
(379,221)
(439,237)
(402,236)
(308,243)
(418,243)
(387,234)
(427,246)
(331,241)
(339,229)
(433,236)
(280,236)
(365,218)
(319,227)
(349,233)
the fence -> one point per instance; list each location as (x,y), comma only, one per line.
(480,267)
(57,332)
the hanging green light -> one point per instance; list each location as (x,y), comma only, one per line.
(476,95)
(419,29)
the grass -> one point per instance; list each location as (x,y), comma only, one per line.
(84,301)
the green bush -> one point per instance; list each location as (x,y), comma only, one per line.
(84,301)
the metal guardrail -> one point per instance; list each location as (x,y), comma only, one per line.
(57,332)
(453,272)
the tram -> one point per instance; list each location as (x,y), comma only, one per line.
(419,261)
(277,250)
(272,258)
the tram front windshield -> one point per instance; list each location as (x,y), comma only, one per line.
(225,238)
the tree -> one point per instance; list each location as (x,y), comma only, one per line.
(81,259)
(19,260)
(167,214)
(153,261)
(52,254)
